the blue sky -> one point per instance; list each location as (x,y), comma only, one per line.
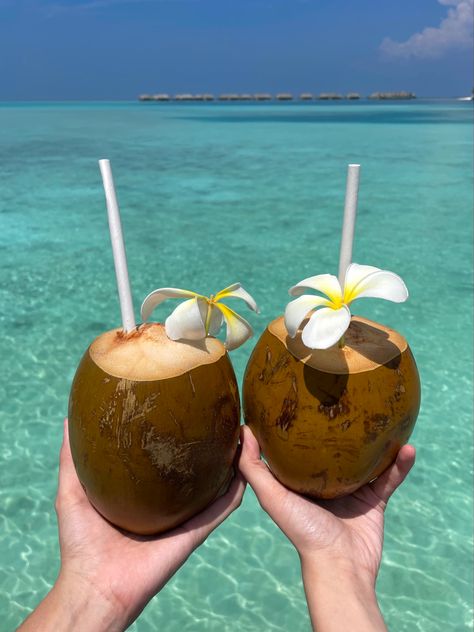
(116,49)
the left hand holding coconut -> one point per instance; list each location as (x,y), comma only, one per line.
(339,541)
(154,417)
(107,576)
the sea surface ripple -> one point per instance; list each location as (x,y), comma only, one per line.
(212,194)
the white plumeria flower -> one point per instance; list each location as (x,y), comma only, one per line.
(200,315)
(329,323)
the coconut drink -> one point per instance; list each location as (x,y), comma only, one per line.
(154,409)
(332,397)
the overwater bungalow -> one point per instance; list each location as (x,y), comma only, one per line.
(284,96)
(392,96)
(246,97)
(208,97)
(263,96)
(145,97)
(161,97)
(306,96)
(352,96)
(229,97)
(183,97)
(329,96)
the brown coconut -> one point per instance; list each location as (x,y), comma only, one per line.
(153,426)
(329,421)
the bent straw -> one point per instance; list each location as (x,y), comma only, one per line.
(348,226)
(118,247)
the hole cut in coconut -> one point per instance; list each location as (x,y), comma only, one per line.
(368,345)
(147,353)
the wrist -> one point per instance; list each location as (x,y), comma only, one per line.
(72,604)
(320,569)
(87,606)
(340,596)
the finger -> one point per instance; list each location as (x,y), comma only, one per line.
(394,476)
(69,486)
(267,489)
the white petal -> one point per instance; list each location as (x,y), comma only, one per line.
(186,321)
(356,272)
(237,291)
(325,327)
(238,329)
(370,282)
(296,311)
(326,283)
(215,320)
(161,294)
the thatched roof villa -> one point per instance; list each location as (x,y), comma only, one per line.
(229,97)
(306,96)
(183,97)
(392,95)
(329,96)
(284,96)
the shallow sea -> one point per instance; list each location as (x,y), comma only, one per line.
(212,194)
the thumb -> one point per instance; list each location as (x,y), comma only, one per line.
(69,487)
(267,489)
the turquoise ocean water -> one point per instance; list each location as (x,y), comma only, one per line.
(212,194)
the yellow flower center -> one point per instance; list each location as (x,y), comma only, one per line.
(337,303)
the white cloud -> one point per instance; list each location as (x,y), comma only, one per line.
(454,32)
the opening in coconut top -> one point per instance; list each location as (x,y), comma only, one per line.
(368,345)
(148,354)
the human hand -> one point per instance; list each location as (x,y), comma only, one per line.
(339,541)
(107,575)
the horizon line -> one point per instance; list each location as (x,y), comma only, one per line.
(172,100)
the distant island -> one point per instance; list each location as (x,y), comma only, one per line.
(282,96)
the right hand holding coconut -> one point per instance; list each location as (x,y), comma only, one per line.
(339,541)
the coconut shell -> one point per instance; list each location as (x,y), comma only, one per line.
(329,421)
(153,427)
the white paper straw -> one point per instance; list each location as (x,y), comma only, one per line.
(118,247)
(348,226)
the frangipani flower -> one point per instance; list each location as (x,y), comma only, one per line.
(329,323)
(200,315)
